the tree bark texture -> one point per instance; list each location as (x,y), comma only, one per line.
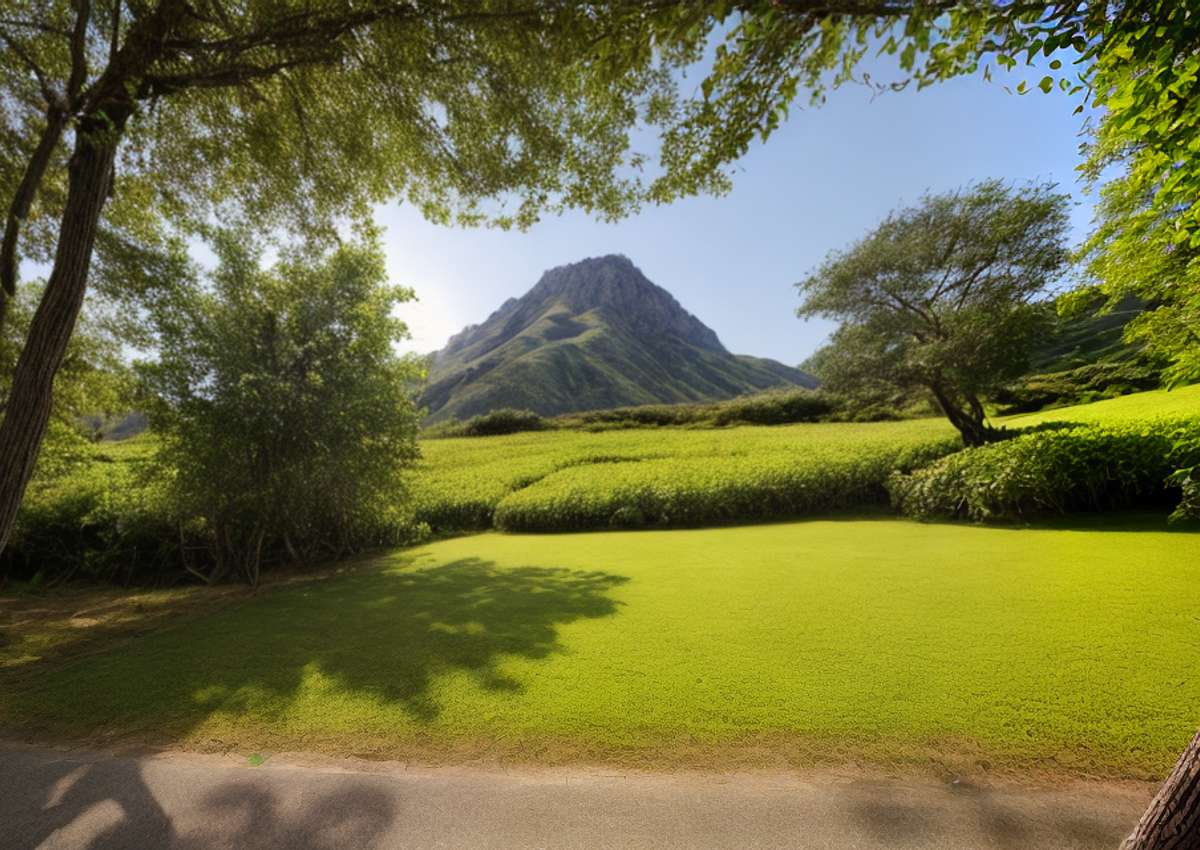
(1172,822)
(28,411)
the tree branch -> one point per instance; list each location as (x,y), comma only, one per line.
(79,49)
(159,85)
(115,42)
(52,97)
(38,26)
(35,169)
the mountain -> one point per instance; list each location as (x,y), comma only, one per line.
(591,335)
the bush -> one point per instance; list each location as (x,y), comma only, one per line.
(503,421)
(1082,468)
(681,491)
(104,519)
(1185,458)
(774,407)
(640,416)
(779,408)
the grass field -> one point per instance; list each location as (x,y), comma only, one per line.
(1184,401)
(460,482)
(1064,649)
(569,479)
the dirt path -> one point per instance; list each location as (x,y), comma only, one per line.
(72,799)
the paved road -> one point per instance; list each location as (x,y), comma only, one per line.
(51,799)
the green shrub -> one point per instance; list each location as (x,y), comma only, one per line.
(503,421)
(779,408)
(1082,468)
(282,408)
(641,416)
(692,491)
(103,520)
(1185,458)
(773,407)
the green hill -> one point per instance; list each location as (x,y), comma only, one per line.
(591,335)
(1084,359)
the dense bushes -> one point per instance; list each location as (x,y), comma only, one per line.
(709,490)
(1083,468)
(776,407)
(283,428)
(102,517)
(493,424)
(459,483)
(1185,459)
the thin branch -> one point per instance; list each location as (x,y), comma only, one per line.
(48,91)
(115,43)
(56,120)
(162,84)
(79,49)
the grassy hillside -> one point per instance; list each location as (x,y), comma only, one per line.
(1062,650)
(1085,359)
(1184,401)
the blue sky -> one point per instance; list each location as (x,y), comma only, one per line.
(823,180)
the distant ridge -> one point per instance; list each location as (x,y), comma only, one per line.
(591,335)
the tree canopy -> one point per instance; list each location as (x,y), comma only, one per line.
(940,297)
(1146,241)
(285,414)
(127,124)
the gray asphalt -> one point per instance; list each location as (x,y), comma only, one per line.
(68,799)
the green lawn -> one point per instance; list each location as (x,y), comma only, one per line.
(1071,650)
(1184,401)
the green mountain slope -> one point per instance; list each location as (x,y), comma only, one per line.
(1084,359)
(591,335)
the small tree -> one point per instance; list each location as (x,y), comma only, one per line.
(285,413)
(940,297)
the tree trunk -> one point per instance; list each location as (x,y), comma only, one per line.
(1172,822)
(89,180)
(970,422)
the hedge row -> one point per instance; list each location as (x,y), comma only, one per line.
(1081,468)
(678,492)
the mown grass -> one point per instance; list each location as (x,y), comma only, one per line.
(1068,649)
(1184,401)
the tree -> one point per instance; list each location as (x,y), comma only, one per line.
(1141,244)
(941,297)
(178,113)
(294,114)
(286,417)
(295,111)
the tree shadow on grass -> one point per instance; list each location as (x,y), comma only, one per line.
(387,633)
